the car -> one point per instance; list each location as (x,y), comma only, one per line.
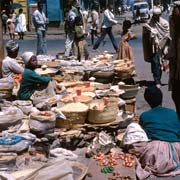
(144,13)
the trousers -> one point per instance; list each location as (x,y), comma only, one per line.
(41,43)
(156,68)
(103,34)
(69,43)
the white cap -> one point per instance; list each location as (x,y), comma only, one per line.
(156,10)
(26,56)
(176,3)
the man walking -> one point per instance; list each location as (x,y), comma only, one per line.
(159,29)
(40,23)
(108,22)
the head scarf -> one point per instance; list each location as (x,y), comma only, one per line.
(153,96)
(26,56)
(12,46)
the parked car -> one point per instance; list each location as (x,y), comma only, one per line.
(143,8)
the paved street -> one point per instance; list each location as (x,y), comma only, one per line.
(56,41)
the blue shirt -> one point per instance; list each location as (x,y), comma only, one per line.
(161,123)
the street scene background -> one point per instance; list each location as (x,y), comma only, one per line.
(56,44)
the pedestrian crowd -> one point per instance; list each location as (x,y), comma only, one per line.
(13,23)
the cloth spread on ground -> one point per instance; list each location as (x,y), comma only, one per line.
(31,81)
(10,140)
(161,123)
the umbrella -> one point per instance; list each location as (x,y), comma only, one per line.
(15,6)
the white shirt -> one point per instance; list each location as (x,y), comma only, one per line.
(21,23)
(109,19)
(39,20)
(10,67)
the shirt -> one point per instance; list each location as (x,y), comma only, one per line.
(95,20)
(31,81)
(73,13)
(109,19)
(10,68)
(39,20)
(161,123)
(20,23)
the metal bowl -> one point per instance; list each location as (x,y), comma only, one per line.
(130,91)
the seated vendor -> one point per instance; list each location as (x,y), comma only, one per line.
(159,123)
(161,155)
(10,67)
(33,85)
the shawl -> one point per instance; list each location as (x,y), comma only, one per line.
(159,34)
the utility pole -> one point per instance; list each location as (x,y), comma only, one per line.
(1,43)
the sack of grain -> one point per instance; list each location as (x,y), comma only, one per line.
(42,122)
(25,106)
(10,116)
(6,89)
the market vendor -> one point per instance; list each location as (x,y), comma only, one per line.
(34,85)
(10,67)
(159,123)
(161,155)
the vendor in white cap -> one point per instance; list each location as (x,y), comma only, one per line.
(10,67)
(159,28)
(33,84)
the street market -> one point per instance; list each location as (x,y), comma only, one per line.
(77,113)
(73,115)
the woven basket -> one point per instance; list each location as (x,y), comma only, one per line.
(73,114)
(106,115)
(125,72)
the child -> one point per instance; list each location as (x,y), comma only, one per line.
(80,39)
(11,27)
(124,49)
(94,24)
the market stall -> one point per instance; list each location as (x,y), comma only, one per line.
(92,102)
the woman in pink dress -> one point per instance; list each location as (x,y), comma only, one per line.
(124,50)
(11,27)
